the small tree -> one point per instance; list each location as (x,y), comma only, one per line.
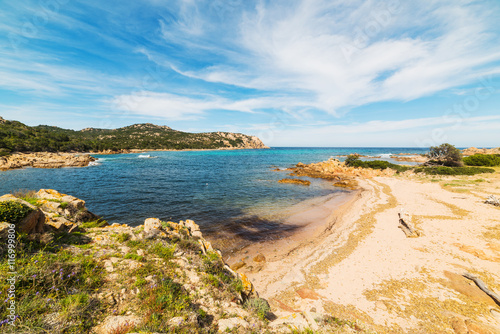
(351,159)
(446,155)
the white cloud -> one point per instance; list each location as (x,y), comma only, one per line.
(400,53)
(178,107)
(471,131)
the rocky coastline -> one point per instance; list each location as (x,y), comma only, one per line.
(216,297)
(158,277)
(44,160)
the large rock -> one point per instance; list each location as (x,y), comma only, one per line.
(4,227)
(44,160)
(60,224)
(193,228)
(70,207)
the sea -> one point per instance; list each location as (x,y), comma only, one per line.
(221,190)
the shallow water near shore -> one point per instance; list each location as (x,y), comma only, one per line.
(231,191)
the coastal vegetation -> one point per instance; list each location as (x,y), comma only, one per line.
(18,137)
(354,161)
(13,212)
(443,170)
(77,274)
(445,159)
(445,155)
(487,160)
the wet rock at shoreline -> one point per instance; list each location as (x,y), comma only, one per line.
(336,171)
(296,181)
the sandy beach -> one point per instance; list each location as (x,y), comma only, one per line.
(356,264)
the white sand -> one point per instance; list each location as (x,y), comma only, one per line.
(342,264)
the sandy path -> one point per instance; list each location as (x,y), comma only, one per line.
(365,269)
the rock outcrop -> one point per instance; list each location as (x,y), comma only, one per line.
(296,181)
(44,160)
(135,263)
(242,141)
(54,212)
(336,171)
(473,150)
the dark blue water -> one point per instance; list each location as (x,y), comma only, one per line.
(217,189)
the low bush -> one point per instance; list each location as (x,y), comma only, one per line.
(218,275)
(354,161)
(163,301)
(258,306)
(442,170)
(123,237)
(487,160)
(13,212)
(164,251)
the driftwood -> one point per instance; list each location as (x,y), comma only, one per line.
(480,284)
(409,231)
(492,200)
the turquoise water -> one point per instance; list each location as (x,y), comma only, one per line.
(217,189)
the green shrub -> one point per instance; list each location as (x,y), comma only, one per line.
(162,301)
(4,152)
(32,200)
(133,256)
(354,161)
(94,223)
(443,170)
(64,205)
(488,160)
(258,306)
(165,251)
(351,159)
(123,237)
(13,212)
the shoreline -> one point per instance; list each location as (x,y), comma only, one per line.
(310,218)
(363,268)
(20,160)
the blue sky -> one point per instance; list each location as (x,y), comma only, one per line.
(295,73)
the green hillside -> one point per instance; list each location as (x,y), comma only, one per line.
(18,137)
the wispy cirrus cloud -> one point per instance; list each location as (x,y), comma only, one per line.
(302,47)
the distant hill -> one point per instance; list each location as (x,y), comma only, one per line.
(18,137)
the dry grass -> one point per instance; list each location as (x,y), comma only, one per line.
(410,298)
(492,233)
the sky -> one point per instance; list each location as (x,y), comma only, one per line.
(323,73)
